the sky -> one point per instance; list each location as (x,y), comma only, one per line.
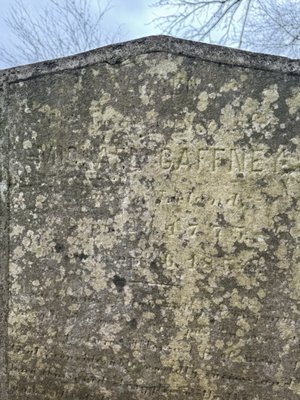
(136,14)
(133,15)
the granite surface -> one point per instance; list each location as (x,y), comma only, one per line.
(150,228)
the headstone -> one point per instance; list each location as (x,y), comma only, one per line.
(150,225)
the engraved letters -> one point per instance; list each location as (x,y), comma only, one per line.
(217,159)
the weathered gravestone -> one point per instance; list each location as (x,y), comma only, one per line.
(150,225)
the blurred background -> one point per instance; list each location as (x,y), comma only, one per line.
(35,30)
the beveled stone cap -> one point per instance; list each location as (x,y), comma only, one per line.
(116,53)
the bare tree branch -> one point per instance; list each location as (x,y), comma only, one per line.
(262,25)
(275,28)
(244,23)
(62,27)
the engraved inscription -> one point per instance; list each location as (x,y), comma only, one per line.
(232,160)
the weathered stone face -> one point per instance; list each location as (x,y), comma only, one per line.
(153,214)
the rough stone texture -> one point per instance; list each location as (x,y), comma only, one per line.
(4,244)
(153,211)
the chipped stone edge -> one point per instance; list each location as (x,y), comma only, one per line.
(4,244)
(119,52)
